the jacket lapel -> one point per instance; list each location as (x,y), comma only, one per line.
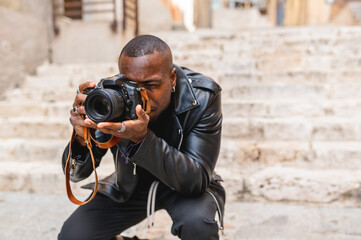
(184,97)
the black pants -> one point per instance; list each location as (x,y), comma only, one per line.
(103,218)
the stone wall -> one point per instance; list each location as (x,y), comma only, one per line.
(39,9)
(154,16)
(23,47)
(85,42)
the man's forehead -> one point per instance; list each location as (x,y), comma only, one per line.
(154,57)
(144,67)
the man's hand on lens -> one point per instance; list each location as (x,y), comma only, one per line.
(134,130)
(78,111)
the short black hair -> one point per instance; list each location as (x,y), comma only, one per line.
(144,45)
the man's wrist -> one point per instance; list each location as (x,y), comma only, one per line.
(139,138)
(80,140)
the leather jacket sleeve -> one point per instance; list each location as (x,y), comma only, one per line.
(187,170)
(83,163)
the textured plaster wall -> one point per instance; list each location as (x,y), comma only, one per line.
(23,46)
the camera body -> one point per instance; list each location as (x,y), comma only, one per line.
(113,100)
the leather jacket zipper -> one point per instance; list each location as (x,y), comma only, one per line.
(134,169)
(181,139)
(116,167)
(180,132)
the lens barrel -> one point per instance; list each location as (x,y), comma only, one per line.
(104,105)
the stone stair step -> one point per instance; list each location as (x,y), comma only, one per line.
(231,108)
(56,82)
(291,184)
(315,154)
(304,185)
(85,70)
(271,183)
(312,155)
(35,109)
(316,91)
(34,149)
(290,36)
(39,127)
(279,108)
(293,128)
(31,177)
(236,76)
(299,91)
(44,150)
(38,177)
(277,90)
(40,95)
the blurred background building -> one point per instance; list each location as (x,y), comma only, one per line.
(290,73)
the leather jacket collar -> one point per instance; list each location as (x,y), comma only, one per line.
(184,97)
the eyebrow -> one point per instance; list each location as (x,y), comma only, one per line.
(150,81)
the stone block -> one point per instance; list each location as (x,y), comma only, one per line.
(22,150)
(276,91)
(39,127)
(290,184)
(336,155)
(28,37)
(336,130)
(40,95)
(23,47)
(72,45)
(12,71)
(249,154)
(233,108)
(292,128)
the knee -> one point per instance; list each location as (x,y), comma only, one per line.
(69,232)
(202,227)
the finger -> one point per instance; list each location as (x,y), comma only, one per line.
(74,114)
(141,113)
(76,120)
(86,85)
(79,99)
(89,123)
(81,110)
(110,126)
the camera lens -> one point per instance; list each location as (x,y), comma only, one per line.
(101,106)
(104,105)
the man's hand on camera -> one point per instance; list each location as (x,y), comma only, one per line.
(76,118)
(134,130)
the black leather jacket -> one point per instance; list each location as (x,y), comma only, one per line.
(186,162)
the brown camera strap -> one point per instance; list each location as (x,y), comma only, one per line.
(71,197)
(145,100)
(105,145)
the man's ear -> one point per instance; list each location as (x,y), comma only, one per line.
(173,77)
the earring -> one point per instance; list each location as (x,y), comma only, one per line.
(173,89)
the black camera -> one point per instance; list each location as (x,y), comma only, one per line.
(114,100)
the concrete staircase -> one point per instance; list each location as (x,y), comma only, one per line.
(291,101)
